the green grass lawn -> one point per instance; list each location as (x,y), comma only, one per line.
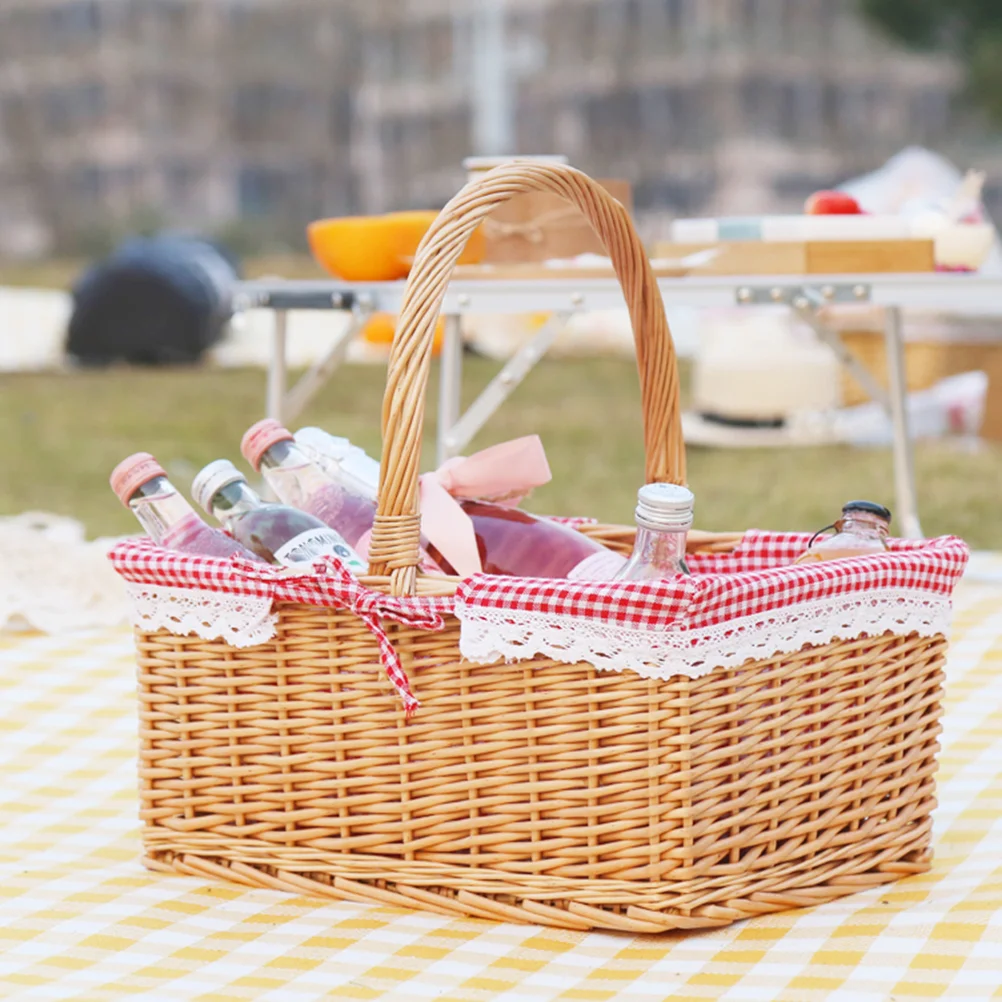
(63,273)
(63,433)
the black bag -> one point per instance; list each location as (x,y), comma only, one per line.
(155,301)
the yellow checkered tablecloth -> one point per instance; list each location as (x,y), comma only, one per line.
(81,919)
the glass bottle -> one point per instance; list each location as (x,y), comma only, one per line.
(142,486)
(303,484)
(510,541)
(277,532)
(664,518)
(862,529)
(329,491)
(515,542)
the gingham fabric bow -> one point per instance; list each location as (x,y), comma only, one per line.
(324,582)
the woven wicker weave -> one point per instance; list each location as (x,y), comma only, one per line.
(536,791)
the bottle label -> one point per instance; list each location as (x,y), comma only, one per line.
(319,543)
(601,566)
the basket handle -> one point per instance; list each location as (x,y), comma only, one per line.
(395,538)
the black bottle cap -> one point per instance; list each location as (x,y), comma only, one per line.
(870,507)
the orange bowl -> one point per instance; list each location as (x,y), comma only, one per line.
(410,227)
(357,248)
(378,248)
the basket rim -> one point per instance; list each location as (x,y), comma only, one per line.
(142,561)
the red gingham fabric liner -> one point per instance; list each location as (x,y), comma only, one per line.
(756,578)
(760,550)
(324,582)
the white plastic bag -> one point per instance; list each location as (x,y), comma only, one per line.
(954,406)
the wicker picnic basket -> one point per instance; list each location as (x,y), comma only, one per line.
(534,791)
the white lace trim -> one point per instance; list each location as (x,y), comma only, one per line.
(240,620)
(488,635)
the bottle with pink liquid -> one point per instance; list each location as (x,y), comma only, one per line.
(297,481)
(142,485)
(279,533)
(510,541)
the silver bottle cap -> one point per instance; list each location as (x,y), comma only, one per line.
(664,506)
(211,479)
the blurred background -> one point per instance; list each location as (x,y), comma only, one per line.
(248,118)
(240,121)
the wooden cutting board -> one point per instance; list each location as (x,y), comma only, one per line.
(835,257)
(816,257)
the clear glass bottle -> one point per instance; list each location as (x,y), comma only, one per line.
(510,541)
(299,481)
(862,529)
(142,486)
(277,532)
(330,491)
(664,518)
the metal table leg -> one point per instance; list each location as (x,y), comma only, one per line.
(503,384)
(809,315)
(450,385)
(321,371)
(275,403)
(904,463)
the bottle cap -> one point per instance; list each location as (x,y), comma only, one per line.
(211,479)
(664,506)
(132,472)
(869,507)
(260,437)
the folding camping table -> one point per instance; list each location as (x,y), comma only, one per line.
(565,296)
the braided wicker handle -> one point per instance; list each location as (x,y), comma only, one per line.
(395,539)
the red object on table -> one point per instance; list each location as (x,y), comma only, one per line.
(832,203)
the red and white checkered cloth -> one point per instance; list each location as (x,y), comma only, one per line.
(324,582)
(756,578)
